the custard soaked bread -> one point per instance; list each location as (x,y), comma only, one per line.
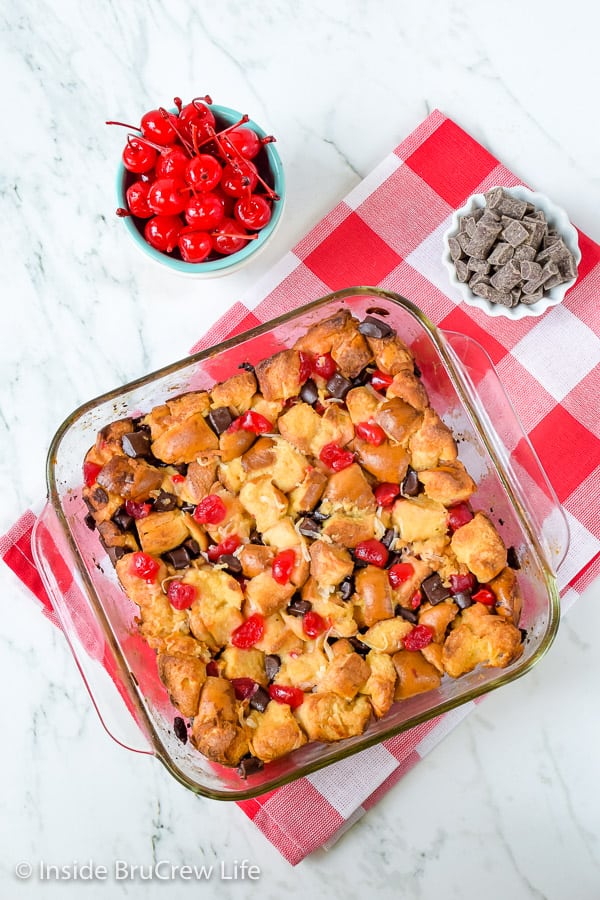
(301,545)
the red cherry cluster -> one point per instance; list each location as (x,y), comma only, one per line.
(196,189)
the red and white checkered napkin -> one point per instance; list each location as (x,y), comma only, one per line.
(387,232)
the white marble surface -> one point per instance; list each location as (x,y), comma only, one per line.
(508,805)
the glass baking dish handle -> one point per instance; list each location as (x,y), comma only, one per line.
(99,666)
(528,480)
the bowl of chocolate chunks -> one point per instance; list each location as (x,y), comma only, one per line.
(511,252)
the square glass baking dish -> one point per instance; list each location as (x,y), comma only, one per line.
(98,619)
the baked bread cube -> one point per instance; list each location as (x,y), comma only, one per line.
(432,443)
(183,677)
(346,674)
(279,376)
(373,599)
(381,683)
(398,419)
(216,731)
(449,483)
(479,546)
(329,563)
(480,639)
(419,518)
(415,674)
(276,732)
(236,393)
(327,717)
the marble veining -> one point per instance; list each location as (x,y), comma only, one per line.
(507,805)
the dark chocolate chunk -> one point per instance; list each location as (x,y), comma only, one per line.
(417,371)
(123,519)
(259,699)
(231,563)
(220,419)
(309,393)
(247,366)
(338,386)
(298,607)
(358,645)
(256,537)
(135,444)
(193,548)
(319,516)
(178,558)
(115,553)
(462,599)
(512,559)
(90,522)
(411,486)
(434,590)
(389,537)
(180,729)
(347,587)
(309,528)
(375,328)
(100,497)
(393,558)
(409,614)
(249,765)
(362,378)
(272,665)
(377,311)
(165,502)
(523,634)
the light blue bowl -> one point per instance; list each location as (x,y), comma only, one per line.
(213,268)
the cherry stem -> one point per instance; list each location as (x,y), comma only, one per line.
(143,140)
(124,125)
(169,117)
(269,190)
(122,213)
(216,134)
(269,139)
(234,234)
(201,100)
(178,103)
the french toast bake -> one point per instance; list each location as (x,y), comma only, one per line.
(301,545)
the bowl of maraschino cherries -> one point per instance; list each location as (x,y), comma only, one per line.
(200,187)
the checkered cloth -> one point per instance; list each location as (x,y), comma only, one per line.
(387,232)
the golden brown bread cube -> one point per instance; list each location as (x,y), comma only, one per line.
(388,462)
(236,393)
(305,497)
(509,601)
(479,546)
(434,654)
(329,563)
(398,419)
(276,733)
(346,675)
(391,354)
(415,674)
(363,403)
(236,520)
(240,663)
(480,638)
(327,717)
(387,635)
(335,427)
(349,530)
(133,479)
(403,593)
(158,619)
(438,618)
(338,335)
(183,677)
(186,439)
(200,476)
(216,731)
(255,558)
(350,490)
(381,683)
(265,596)
(112,536)
(233,443)
(279,376)
(299,425)
(431,443)
(278,638)
(266,503)
(162,531)
(373,598)
(409,388)
(219,601)
(419,518)
(449,483)
(231,475)
(304,670)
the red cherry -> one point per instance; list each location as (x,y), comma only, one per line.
(244,687)
(144,566)
(228,545)
(229,237)
(194,245)
(249,632)
(420,637)
(162,232)
(203,172)
(172,163)
(211,510)
(372,552)
(486,596)
(285,693)
(157,128)
(416,599)
(461,583)
(212,668)
(197,113)
(167,197)
(90,473)
(239,180)
(138,156)
(400,573)
(137,199)
(181,596)
(137,510)
(313,624)
(245,142)
(251,421)
(385,493)
(325,366)
(371,433)
(253,212)
(205,211)
(335,457)
(459,515)
(283,565)
(380,381)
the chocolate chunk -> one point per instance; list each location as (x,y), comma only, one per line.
(462,270)
(512,559)
(483,239)
(507,277)
(272,665)
(298,607)
(393,558)
(463,239)
(479,265)
(249,765)
(523,634)
(319,516)
(135,444)
(178,558)
(193,548)
(309,528)
(389,537)
(525,251)
(338,386)
(501,254)
(515,234)
(115,553)
(247,366)
(462,599)
(256,537)
(165,502)
(411,486)
(510,206)
(359,647)
(259,699)
(309,393)
(179,727)
(362,378)
(409,614)
(375,328)
(416,370)
(530,270)
(231,563)
(219,419)
(100,497)
(455,249)
(347,587)
(123,519)
(90,522)
(434,590)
